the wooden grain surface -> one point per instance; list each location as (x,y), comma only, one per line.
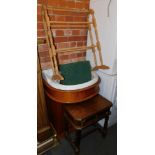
(88,108)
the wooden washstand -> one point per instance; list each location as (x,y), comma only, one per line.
(56,98)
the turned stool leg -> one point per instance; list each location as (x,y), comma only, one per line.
(77,141)
(104,131)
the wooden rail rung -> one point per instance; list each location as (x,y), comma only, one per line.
(62,22)
(101,67)
(43,37)
(74,48)
(57,77)
(69,26)
(68,9)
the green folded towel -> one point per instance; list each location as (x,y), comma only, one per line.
(75,73)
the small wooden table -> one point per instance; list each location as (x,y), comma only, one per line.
(84,114)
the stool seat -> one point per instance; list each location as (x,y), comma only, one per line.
(84,114)
(83,110)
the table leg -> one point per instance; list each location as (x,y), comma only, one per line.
(105,127)
(77,141)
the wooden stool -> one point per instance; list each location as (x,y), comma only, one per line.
(84,114)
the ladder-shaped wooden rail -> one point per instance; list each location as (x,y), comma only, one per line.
(97,43)
(92,43)
(52,50)
(48,44)
(68,9)
(74,49)
(49,25)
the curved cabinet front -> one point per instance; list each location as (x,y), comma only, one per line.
(71,96)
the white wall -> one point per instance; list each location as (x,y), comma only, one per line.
(107,27)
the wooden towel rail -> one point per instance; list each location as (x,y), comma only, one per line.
(68,26)
(49,38)
(49,25)
(62,22)
(68,9)
(74,49)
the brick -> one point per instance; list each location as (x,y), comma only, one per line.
(46,65)
(67,32)
(79,18)
(53,2)
(63,45)
(60,39)
(83,38)
(45,59)
(74,38)
(40,26)
(59,33)
(57,12)
(83,32)
(39,18)
(84,54)
(73,55)
(41,1)
(76,32)
(79,43)
(73,44)
(71,4)
(42,47)
(43,54)
(64,57)
(80,5)
(69,18)
(63,3)
(39,10)
(59,18)
(86,4)
(40,33)
(84,43)
(50,12)
(52,17)
(79,54)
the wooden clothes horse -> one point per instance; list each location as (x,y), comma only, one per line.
(49,25)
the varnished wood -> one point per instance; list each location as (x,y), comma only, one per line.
(46,134)
(42,122)
(46,145)
(48,43)
(67,9)
(85,114)
(101,67)
(97,38)
(58,75)
(66,24)
(49,143)
(63,22)
(61,50)
(88,108)
(56,98)
(55,113)
(71,96)
(92,43)
(69,26)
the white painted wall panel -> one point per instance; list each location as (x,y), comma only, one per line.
(107,27)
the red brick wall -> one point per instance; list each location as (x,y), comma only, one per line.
(64,37)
